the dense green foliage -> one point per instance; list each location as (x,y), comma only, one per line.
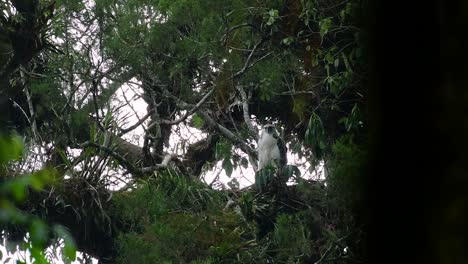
(170,228)
(172,219)
(14,191)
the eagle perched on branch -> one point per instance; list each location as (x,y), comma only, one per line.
(270,147)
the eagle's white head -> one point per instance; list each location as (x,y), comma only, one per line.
(270,147)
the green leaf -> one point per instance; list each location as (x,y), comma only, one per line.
(40,178)
(346,62)
(18,188)
(271,16)
(287,41)
(223,150)
(108,116)
(235,160)
(315,59)
(11,148)
(263,177)
(315,135)
(38,255)
(69,249)
(329,58)
(322,144)
(259,180)
(36,183)
(325,25)
(39,233)
(290,171)
(244,162)
(227,166)
(342,14)
(197,121)
(234,184)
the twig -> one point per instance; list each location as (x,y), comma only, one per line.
(168,158)
(32,119)
(334,243)
(226,35)
(15,104)
(113,154)
(140,121)
(216,178)
(296,92)
(96,108)
(247,63)
(184,117)
(325,254)
(190,112)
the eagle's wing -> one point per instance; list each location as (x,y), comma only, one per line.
(282,149)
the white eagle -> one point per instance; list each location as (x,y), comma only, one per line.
(270,147)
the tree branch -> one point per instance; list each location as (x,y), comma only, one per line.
(247,64)
(106,93)
(231,137)
(223,130)
(168,158)
(245,107)
(185,116)
(140,121)
(124,162)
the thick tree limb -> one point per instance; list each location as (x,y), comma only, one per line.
(223,130)
(231,137)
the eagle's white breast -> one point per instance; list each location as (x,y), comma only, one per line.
(267,149)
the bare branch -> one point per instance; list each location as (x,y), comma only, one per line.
(229,30)
(15,104)
(185,116)
(32,118)
(247,64)
(108,92)
(124,162)
(223,130)
(291,93)
(96,107)
(245,107)
(231,137)
(140,121)
(168,158)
